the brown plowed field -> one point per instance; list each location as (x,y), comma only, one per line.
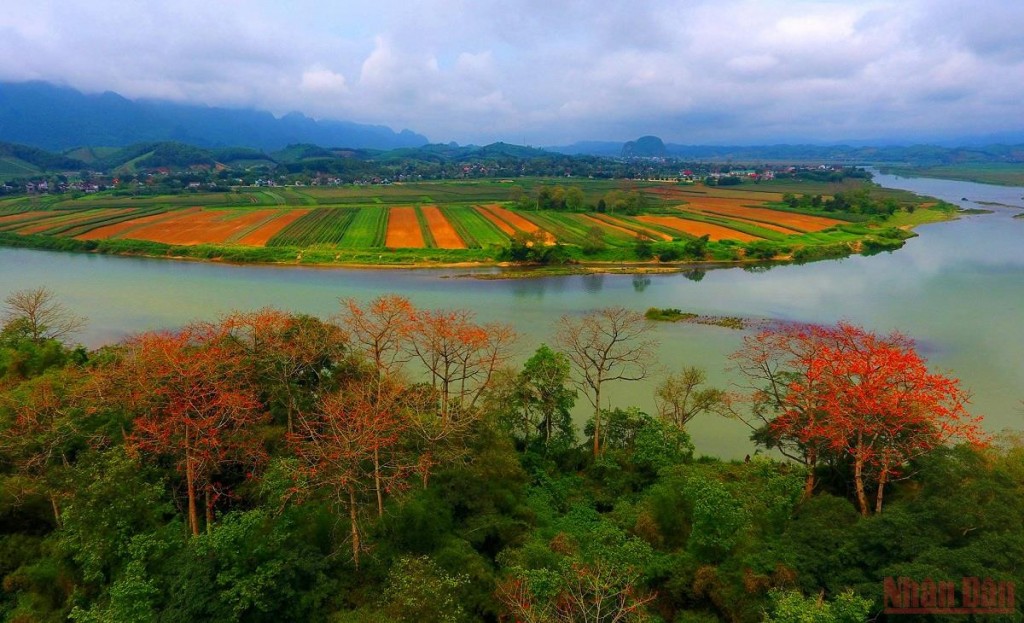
(501,224)
(444,234)
(740,209)
(259,236)
(24,216)
(68,219)
(510,217)
(115,230)
(200,227)
(403,229)
(696,228)
(504,218)
(625,228)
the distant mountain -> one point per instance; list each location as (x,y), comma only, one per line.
(58,119)
(916,155)
(645,147)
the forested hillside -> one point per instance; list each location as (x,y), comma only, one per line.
(393,465)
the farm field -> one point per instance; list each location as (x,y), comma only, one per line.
(424,222)
(444,234)
(773,219)
(404,229)
(124,228)
(262,234)
(699,228)
(201,226)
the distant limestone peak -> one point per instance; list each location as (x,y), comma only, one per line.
(644,147)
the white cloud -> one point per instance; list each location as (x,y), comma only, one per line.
(703,71)
(322,81)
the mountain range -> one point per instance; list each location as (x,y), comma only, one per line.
(57,118)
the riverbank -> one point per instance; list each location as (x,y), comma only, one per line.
(1007,174)
(840,241)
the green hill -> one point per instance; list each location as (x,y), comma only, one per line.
(22,161)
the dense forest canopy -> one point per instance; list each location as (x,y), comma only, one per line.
(393,464)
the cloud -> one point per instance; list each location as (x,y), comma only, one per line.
(319,80)
(741,71)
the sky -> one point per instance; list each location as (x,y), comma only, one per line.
(553,72)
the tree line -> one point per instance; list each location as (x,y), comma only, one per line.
(392,464)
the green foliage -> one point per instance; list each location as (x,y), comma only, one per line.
(253,567)
(418,590)
(792,607)
(717,519)
(538,403)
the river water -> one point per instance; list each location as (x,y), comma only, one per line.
(958,289)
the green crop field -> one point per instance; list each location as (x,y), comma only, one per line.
(474,229)
(322,226)
(367,230)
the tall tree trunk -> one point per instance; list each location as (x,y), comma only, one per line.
(883,478)
(858,483)
(56,510)
(376,481)
(355,526)
(190,481)
(811,480)
(209,510)
(597,420)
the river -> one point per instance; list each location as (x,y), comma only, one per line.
(957,288)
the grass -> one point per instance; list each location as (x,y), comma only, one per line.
(11,168)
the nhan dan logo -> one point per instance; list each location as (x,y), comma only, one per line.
(970,596)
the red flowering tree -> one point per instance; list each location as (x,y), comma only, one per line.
(853,396)
(193,404)
(291,357)
(351,444)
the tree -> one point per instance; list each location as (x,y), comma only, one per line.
(853,397)
(459,355)
(594,240)
(193,404)
(40,316)
(292,356)
(594,572)
(337,443)
(790,606)
(574,198)
(40,432)
(382,332)
(541,399)
(605,345)
(680,396)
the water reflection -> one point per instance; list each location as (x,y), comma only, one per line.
(640,282)
(593,284)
